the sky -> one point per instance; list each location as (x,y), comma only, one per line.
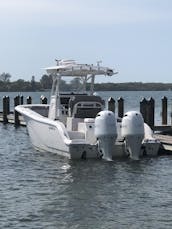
(132,36)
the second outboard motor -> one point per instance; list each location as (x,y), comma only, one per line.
(106,133)
(132,129)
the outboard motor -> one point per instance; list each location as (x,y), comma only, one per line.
(106,133)
(132,129)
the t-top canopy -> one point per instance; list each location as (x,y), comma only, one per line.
(71,68)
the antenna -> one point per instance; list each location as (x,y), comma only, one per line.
(57,60)
(98,63)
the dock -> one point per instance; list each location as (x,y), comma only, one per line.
(166,141)
(11,119)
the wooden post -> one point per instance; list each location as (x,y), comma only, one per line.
(120,107)
(16,114)
(5,111)
(143,109)
(29,100)
(43,100)
(151,112)
(164,110)
(21,99)
(111,104)
(8,104)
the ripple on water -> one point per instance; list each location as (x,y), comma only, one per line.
(43,190)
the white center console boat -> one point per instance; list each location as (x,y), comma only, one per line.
(77,126)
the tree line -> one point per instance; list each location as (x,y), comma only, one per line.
(45,83)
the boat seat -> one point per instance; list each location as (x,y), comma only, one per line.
(84,106)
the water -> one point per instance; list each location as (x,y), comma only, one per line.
(43,190)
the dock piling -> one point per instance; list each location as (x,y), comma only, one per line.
(120,107)
(5,109)
(147,109)
(16,114)
(8,104)
(43,100)
(21,99)
(151,112)
(164,110)
(111,104)
(143,108)
(29,100)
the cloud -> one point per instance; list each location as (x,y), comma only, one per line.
(77,12)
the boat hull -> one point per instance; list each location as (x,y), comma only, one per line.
(48,138)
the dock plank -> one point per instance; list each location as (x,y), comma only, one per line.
(166,141)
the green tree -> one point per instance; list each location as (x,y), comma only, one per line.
(75,83)
(33,83)
(5,77)
(46,81)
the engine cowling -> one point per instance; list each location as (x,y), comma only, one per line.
(132,129)
(106,133)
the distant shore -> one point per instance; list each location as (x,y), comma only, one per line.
(133,86)
(28,86)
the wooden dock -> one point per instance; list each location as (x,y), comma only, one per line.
(162,128)
(166,141)
(11,120)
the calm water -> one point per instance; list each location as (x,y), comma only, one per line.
(43,190)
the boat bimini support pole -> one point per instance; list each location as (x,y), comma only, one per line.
(84,81)
(54,109)
(92,84)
